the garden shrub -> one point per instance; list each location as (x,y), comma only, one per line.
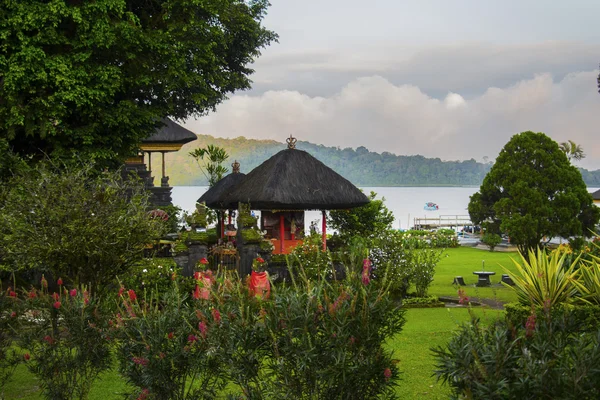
(326,338)
(168,348)
(151,274)
(423,268)
(491,240)
(63,335)
(8,356)
(310,258)
(84,226)
(544,359)
(422,302)
(585,317)
(544,280)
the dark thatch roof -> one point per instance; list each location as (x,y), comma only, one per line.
(171,132)
(596,195)
(213,197)
(294,180)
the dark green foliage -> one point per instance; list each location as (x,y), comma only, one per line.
(491,240)
(532,192)
(585,317)
(368,221)
(91,78)
(82,226)
(547,359)
(151,274)
(422,302)
(9,360)
(326,339)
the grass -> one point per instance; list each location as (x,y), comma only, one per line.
(424,329)
(462,261)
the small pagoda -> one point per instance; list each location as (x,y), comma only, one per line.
(170,137)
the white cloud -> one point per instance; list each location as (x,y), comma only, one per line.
(373,112)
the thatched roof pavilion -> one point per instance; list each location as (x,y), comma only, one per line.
(294,180)
(214,196)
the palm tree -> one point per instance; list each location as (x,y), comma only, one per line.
(213,157)
(572,150)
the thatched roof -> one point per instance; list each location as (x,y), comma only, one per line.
(171,132)
(294,180)
(214,196)
(596,195)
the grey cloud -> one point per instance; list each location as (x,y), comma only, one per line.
(374,112)
(467,68)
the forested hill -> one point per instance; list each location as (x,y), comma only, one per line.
(361,166)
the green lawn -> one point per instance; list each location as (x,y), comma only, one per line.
(462,261)
(424,329)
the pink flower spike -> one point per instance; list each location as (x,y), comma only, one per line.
(132,295)
(56,304)
(216,315)
(59,282)
(387,374)
(202,328)
(73,292)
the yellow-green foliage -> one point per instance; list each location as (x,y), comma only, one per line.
(543,280)
(590,282)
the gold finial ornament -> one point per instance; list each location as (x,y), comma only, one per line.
(291,141)
(236,167)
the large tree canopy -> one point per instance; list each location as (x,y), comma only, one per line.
(93,77)
(533,191)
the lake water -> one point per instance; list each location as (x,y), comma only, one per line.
(406,203)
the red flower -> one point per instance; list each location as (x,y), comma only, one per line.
(32,294)
(170,335)
(44,282)
(132,295)
(55,296)
(86,297)
(216,315)
(56,304)
(144,394)
(12,293)
(260,259)
(73,292)
(59,282)
(203,261)
(121,290)
(49,339)
(192,338)
(365,278)
(530,326)
(26,356)
(196,293)
(196,275)
(202,327)
(140,361)
(13,314)
(387,373)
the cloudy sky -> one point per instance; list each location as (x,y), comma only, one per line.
(453,79)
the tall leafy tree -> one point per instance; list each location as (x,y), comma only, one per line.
(533,191)
(90,78)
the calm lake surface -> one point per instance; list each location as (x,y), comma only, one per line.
(406,203)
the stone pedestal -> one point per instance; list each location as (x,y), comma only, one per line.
(187,260)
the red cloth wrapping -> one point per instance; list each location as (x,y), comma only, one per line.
(259,284)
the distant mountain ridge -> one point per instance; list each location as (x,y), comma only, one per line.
(360,166)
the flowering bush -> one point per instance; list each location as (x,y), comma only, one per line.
(8,357)
(326,338)
(169,348)
(151,274)
(546,358)
(64,337)
(310,258)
